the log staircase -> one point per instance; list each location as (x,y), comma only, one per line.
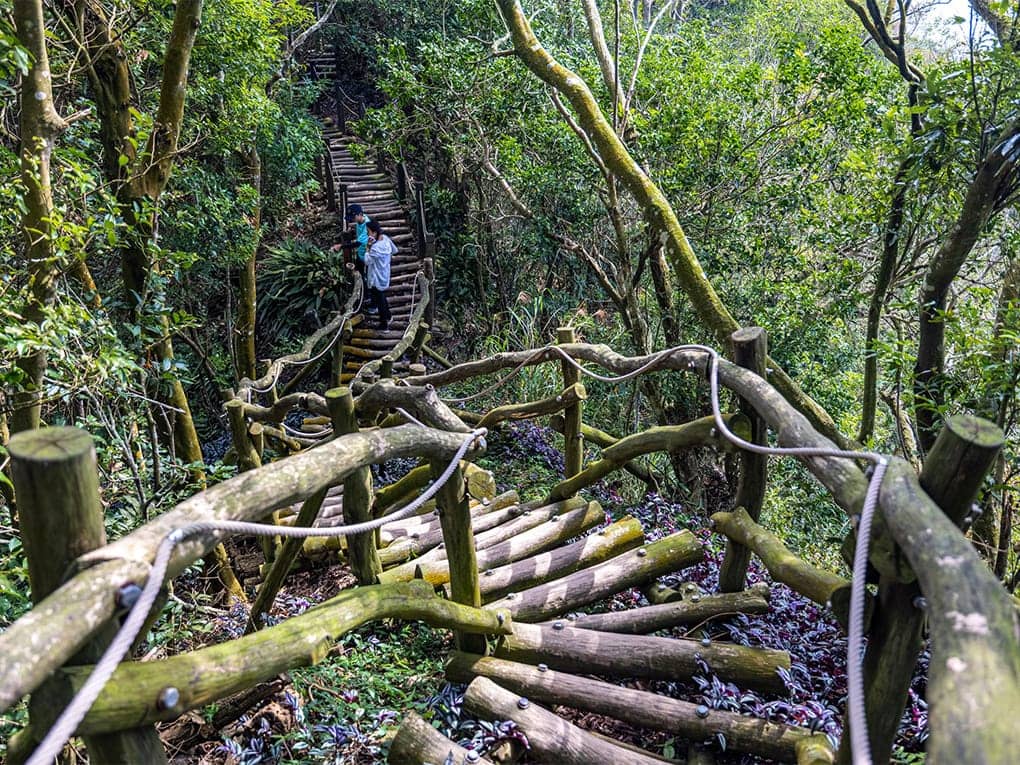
(539,563)
(361,182)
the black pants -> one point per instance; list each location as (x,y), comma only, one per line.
(378,298)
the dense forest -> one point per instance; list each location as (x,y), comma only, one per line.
(175,190)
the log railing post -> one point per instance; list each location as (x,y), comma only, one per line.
(750,350)
(327,174)
(428,267)
(54,472)
(952,476)
(357,502)
(402,183)
(458,536)
(248,459)
(573,443)
(342,198)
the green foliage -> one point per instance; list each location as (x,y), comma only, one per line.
(297,279)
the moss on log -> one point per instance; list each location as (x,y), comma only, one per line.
(542,537)
(563,647)
(573,441)
(528,410)
(603,440)
(550,738)
(604,579)
(639,708)
(664,438)
(641,621)
(974,675)
(418,743)
(614,540)
(208,674)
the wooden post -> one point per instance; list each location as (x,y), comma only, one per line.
(54,472)
(342,198)
(248,459)
(459,538)
(573,443)
(750,350)
(428,266)
(952,475)
(402,181)
(357,504)
(327,162)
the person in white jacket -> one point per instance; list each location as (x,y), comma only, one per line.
(381,250)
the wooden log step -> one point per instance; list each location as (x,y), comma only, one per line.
(417,742)
(536,540)
(699,609)
(364,353)
(639,708)
(565,648)
(430,549)
(425,525)
(615,539)
(551,739)
(603,580)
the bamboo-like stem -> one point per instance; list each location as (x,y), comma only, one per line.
(573,443)
(571,396)
(544,536)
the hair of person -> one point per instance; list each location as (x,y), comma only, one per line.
(374,227)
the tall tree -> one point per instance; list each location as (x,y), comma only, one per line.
(40,126)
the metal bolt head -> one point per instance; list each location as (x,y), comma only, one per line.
(543,667)
(642,552)
(701,711)
(488,573)
(706,641)
(695,598)
(472,756)
(920,602)
(127,595)
(526,512)
(168,698)
(511,596)
(558,625)
(523,703)
(500,619)
(441,545)
(554,518)
(660,587)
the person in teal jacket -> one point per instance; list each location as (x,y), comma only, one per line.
(356,216)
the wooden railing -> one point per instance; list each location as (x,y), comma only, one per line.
(918,549)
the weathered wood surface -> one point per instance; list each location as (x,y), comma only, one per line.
(552,739)
(701,432)
(573,441)
(61,517)
(571,396)
(701,608)
(426,547)
(423,404)
(810,581)
(536,540)
(952,475)
(69,617)
(362,556)
(418,743)
(604,579)
(974,675)
(841,477)
(603,440)
(328,330)
(639,708)
(614,540)
(459,541)
(750,350)
(566,648)
(208,674)
(395,530)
